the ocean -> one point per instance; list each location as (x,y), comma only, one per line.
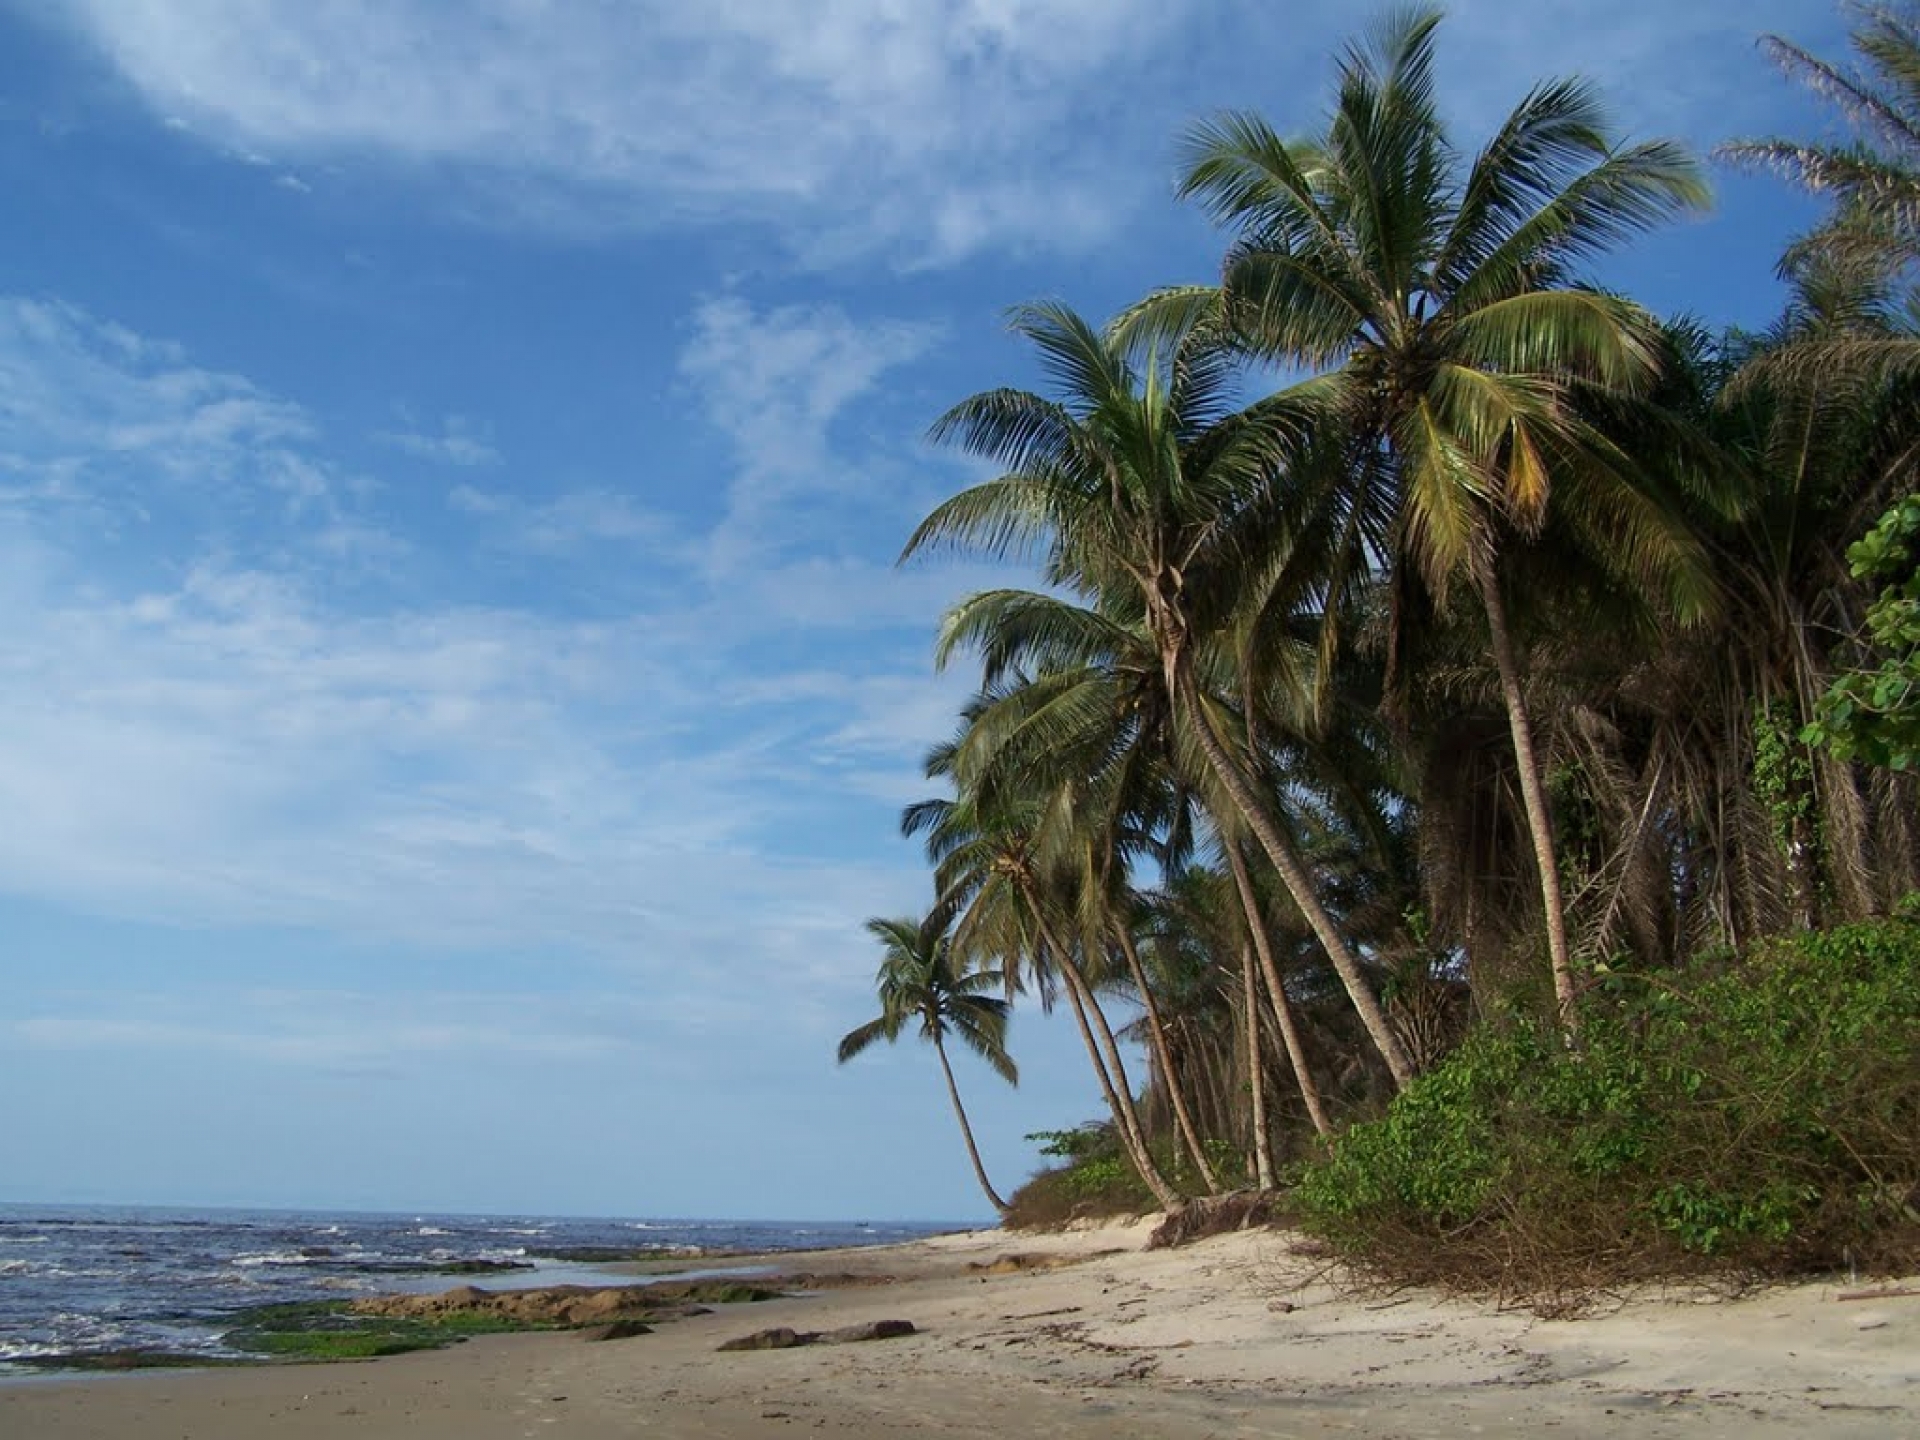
(78,1280)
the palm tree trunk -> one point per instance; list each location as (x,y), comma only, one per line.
(1176,1091)
(1256,1073)
(966,1130)
(1539,821)
(1119,1101)
(1292,874)
(1277,992)
(1113,1081)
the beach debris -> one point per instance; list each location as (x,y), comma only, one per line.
(1021,1262)
(617,1330)
(782,1337)
(1214,1215)
(872,1330)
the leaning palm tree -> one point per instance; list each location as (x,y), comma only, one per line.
(1090,726)
(1436,306)
(919,980)
(998,870)
(1136,480)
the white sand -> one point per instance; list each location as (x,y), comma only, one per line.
(1234,1336)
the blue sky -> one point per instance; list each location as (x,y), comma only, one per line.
(455,693)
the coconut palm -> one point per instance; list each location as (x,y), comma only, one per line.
(1086,718)
(1874,181)
(1823,448)
(919,980)
(1137,480)
(998,866)
(1435,302)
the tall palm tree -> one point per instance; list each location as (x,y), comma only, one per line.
(1086,718)
(1137,480)
(1788,835)
(999,870)
(1435,303)
(920,981)
(1874,181)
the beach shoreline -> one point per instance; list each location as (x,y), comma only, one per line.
(1081,1333)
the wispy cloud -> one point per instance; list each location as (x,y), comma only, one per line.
(91,415)
(570,522)
(923,125)
(73,385)
(927,133)
(234,737)
(458,441)
(777,384)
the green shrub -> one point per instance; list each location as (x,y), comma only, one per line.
(1760,1116)
(1094,1181)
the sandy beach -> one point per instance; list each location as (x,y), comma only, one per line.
(1089,1334)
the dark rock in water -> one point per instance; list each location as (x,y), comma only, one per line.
(421,1267)
(317,1252)
(479,1267)
(778,1338)
(872,1330)
(612,1254)
(618,1330)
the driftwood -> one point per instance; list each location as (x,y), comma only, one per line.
(782,1337)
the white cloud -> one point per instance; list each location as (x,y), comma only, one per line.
(70,382)
(923,132)
(570,522)
(472,500)
(91,415)
(237,737)
(458,441)
(237,751)
(778,383)
(778,380)
(937,125)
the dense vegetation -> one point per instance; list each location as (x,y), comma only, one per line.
(1756,1115)
(1485,762)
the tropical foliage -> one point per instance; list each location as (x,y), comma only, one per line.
(1463,713)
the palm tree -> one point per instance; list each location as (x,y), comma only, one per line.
(998,870)
(1874,181)
(1435,303)
(919,980)
(1090,724)
(1791,835)
(1137,481)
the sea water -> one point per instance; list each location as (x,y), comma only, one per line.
(91,1279)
